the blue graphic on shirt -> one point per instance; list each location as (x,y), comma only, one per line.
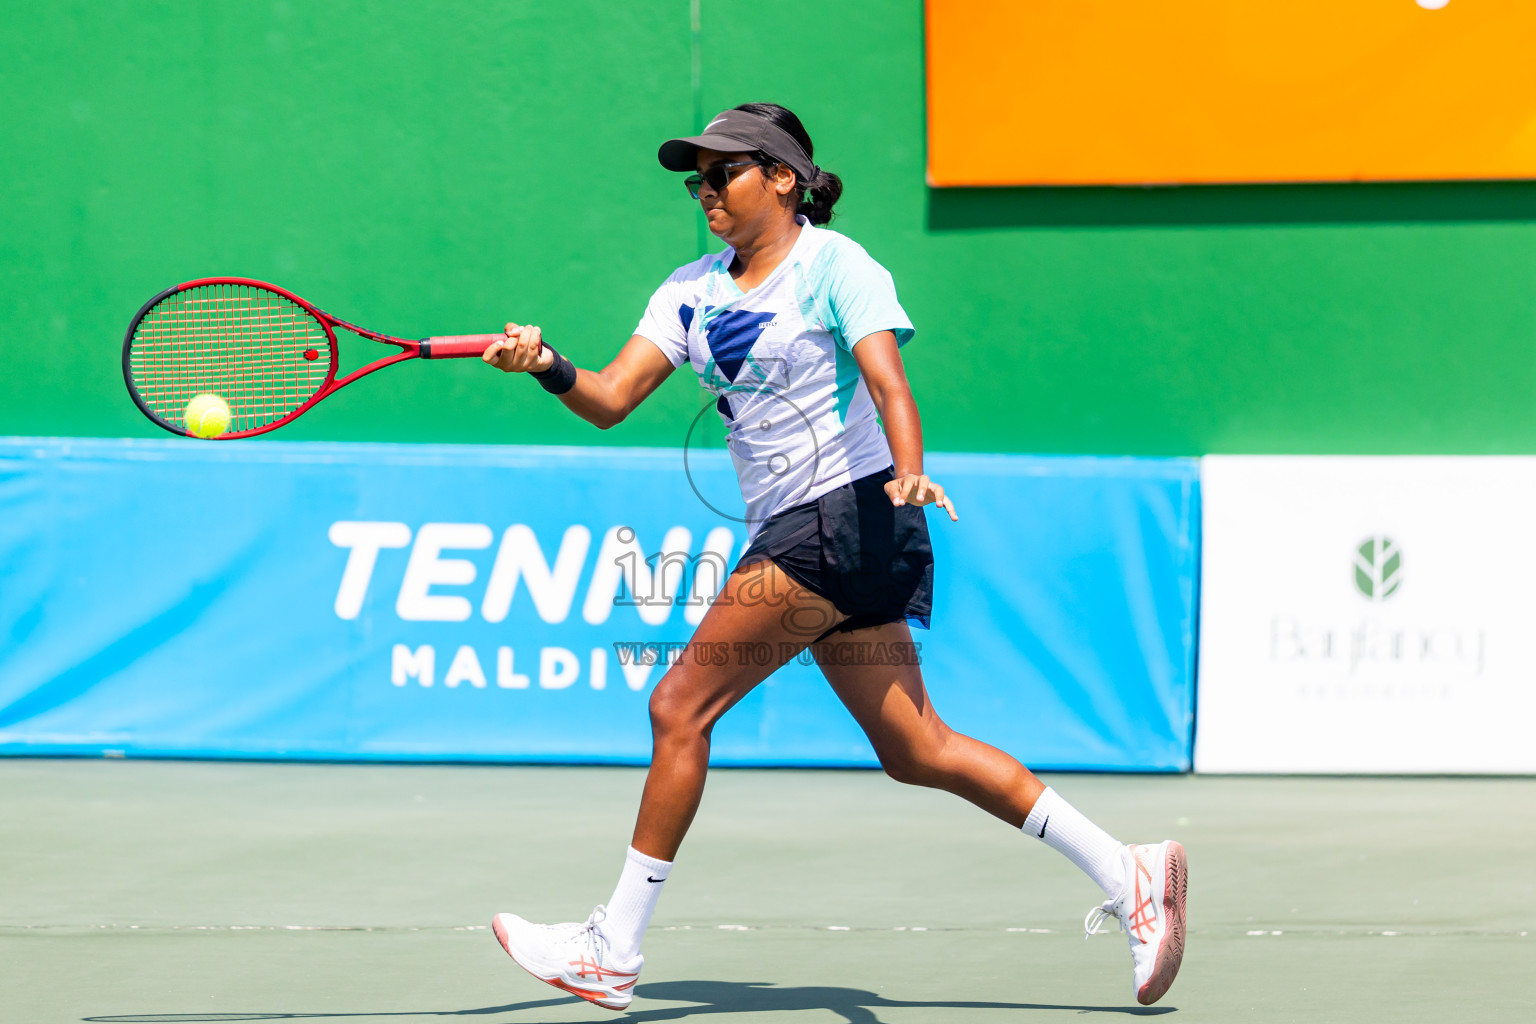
(685,314)
(731,334)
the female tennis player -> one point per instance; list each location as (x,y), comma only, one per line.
(796,331)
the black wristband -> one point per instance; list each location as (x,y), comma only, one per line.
(559,378)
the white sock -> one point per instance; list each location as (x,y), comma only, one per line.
(1064,829)
(633,902)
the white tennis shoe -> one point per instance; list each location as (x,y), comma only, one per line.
(1151,913)
(573,957)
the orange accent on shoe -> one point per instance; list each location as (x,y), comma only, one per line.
(596,998)
(1145,913)
(591,997)
(599,972)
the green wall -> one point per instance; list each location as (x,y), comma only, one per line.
(445,167)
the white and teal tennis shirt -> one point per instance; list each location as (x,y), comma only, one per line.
(779,360)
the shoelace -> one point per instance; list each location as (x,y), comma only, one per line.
(1097,916)
(585,933)
(589,930)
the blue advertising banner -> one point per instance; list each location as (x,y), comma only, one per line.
(458,603)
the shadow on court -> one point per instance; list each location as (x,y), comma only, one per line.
(855,1006)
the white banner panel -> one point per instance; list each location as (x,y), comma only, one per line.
(1365,614)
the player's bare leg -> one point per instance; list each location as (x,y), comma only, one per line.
(761,619)
(1145,884)
(758,606)
(914,745)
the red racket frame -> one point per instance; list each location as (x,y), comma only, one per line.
(453,346)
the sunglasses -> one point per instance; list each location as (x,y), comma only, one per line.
(716,177)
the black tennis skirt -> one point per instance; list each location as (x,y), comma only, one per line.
(871,559)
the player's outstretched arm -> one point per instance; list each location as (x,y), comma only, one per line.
(603,398)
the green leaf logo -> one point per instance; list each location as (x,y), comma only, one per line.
(1378,568)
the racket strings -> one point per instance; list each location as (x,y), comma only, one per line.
(245,344)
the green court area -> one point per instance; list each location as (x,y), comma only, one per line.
(175,891)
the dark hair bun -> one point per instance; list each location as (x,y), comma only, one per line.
(821,192)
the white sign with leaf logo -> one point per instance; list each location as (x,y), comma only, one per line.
(1367,614)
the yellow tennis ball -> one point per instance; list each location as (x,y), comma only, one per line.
(207,416)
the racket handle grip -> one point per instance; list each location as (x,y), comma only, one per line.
(459,346)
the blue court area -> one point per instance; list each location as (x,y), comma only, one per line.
(198,891)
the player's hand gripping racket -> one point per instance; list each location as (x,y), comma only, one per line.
(263,350)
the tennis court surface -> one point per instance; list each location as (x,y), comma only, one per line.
(188,891)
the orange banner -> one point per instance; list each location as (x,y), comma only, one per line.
(1099,92)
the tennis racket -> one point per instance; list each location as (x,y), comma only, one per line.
(266,352)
